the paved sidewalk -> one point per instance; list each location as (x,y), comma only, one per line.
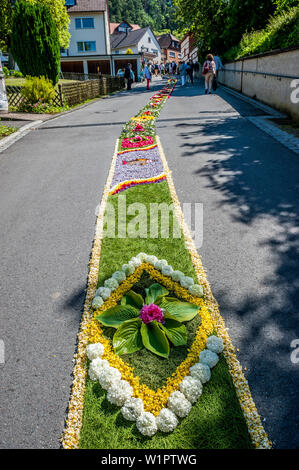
(248,185)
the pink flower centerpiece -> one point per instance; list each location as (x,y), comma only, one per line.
(139,128)
(137,141)
(151,312)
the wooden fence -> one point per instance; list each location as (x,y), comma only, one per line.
(73,93)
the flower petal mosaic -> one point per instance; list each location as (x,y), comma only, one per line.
(120,321)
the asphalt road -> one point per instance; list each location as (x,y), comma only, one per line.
(248,185)
(51,182)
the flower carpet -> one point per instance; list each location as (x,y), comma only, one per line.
(155,367)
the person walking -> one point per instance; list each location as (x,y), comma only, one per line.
(209,72)
(218,63)
(128,75)
(147,74)
(182,71)
(190,69)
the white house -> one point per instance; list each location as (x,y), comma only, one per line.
(139,40)
(90,51)
(90,40)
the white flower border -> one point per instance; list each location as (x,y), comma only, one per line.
(111,284)
(120,392)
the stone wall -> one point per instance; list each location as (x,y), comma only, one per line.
(269,78)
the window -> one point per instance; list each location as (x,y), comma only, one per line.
(149,40)
(171,54)
(70,3)
(86,46)
(84,23)
(64,52)
(154,51)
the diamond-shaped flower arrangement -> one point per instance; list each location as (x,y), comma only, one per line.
(160,410)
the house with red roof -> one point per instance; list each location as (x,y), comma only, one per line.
(170,48)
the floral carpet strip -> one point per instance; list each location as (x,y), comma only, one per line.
(160,409)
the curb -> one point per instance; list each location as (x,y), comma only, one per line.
(11,139)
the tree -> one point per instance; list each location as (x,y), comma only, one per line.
(206,19)
(34,40)
(158,14)
(5,23)
(242,16)
(61,18)
(282,5)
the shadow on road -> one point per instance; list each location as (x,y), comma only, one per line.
(258,182)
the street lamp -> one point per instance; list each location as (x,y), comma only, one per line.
(3,95)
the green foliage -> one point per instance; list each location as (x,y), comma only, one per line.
(61,19)
(281,31)
(154,339)
(132,334)
(236,28)
(154,292)
(38,89)
(158,14)
(127,338)
(244,16)
(114,317)
(5,71)
(7,130)
(5,23)
(181,311)
(34,41)
(206,19)
(16,73)
(282,5)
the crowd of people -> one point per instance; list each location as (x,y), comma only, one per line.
(187,71)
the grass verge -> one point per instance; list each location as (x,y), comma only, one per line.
(7,130)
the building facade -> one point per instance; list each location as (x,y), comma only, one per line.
(189,49)
(90,50)
(138,40)
(170,48)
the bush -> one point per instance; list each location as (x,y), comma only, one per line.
(17,74)
(38,89)
(5,71)
(282,31)
(34,40)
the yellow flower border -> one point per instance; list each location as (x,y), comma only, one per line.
(153,401)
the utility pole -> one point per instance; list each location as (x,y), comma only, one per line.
(3,95)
